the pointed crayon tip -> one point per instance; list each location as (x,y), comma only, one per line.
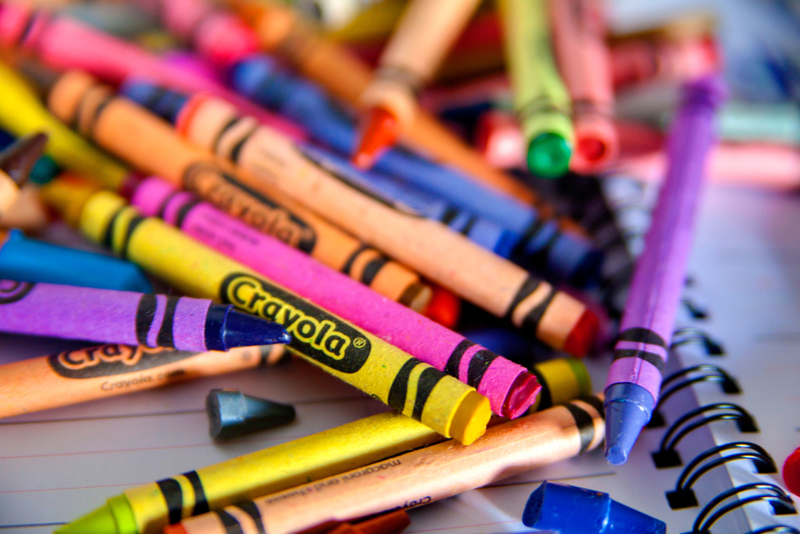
(628,409)
(581,338)
(17,160)
(100,521)
(243,330)
(381,132)
(232,413)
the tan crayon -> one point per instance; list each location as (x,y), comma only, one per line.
(428,246)
(345,76)
(105,371)
(416,478)
(149,143)
(426,32)
(27,213)
(584,62)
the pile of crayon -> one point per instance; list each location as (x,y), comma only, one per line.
(375,193)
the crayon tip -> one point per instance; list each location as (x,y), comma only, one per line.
(628,408)
(100,521)
(381,132)
(444,307)
(239,329)
(390,523)
(232,413)
(548,155)
(174,529)
(582,336)
(521,396)
(791,472)
(18,160)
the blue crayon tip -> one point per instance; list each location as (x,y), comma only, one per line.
(573,510)
(628,409)
(232,413)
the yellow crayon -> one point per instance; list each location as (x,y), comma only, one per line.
(22,113)
(359,358)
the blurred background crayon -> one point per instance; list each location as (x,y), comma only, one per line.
(16,164)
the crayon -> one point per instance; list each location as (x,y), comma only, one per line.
(44,170)
(22,113)
(415,478)
(333,14)
(388,523)
(791,472)
(634,379)
(490,282)
(422,37)
(129,318)
(759,122)
(563,380)
(499,139)
(148,508)
(159,150)
(444,308)
(541,102)
(76,376)
(63,43)
(508,386)
(123,19)
(345,77)
(583,60)
(29,260)
(231,413)
(16,163)
(27,213)
(362,360)
(641,60)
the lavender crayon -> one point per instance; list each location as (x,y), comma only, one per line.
(130,318)
(640,354)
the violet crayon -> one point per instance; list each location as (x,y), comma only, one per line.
(130,318)
(510,388)
(640,354)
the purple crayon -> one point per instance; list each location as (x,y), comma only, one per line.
(640,354)
(130,318)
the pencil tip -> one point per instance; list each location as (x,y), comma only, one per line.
(381,131)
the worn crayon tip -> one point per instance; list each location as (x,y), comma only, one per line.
(628,409)
(521,396)
(174,529)
(582,336)
(548,155)
(381,132)
(232,413)
(444,307)
(18,160)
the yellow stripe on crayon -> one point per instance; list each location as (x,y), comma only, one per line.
(187,493)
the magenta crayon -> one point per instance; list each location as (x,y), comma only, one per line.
(64,44)
(640,354)
(508,386)
(130,318)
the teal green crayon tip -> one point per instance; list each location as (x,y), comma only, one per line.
(114,517)
(548,155)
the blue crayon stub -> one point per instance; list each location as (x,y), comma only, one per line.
(29,260)
(573,510)
(231,413)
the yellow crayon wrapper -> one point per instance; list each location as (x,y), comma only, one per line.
(361,359)
(22,113)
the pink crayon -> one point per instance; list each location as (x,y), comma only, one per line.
(64,44)
(641,60)
(583,61)
(510,388)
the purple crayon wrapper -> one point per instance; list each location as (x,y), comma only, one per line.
(494,377)
(654,296)
(103,315)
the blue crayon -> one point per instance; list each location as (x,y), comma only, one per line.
(29,260)
(573,510)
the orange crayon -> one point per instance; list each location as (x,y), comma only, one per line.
(151,144)
(424,34)
(105,371)
(346,77)
(584,64)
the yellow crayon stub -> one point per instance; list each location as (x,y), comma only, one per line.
(406,384)
(563,380)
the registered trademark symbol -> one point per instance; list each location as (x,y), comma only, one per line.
(359,342)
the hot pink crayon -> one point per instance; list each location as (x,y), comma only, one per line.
(508,386)
(130,318)
(63,44)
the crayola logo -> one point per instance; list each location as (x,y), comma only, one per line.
(315,333)
(108,360)
(238,200)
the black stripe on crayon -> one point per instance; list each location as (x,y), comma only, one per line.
(545,397)
(165,337)
(200,501)
(108,233)
(650,357)
(96,112)
(27,29)
(349,263)
(173,495)
(539,257)
(427,381)
(221,133)
(237,148)
(134,223)
(642,335)
(402,75)
(251,509)
(478,365)
(184,211)
(232,526)
(531,321)
(454,361)
(411,292)
(162,209)
(263,355)
(371,270)
(449,215)
(399,389)
(585,425)
(595,403)
(528,286)
(470,223)
(145,312)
